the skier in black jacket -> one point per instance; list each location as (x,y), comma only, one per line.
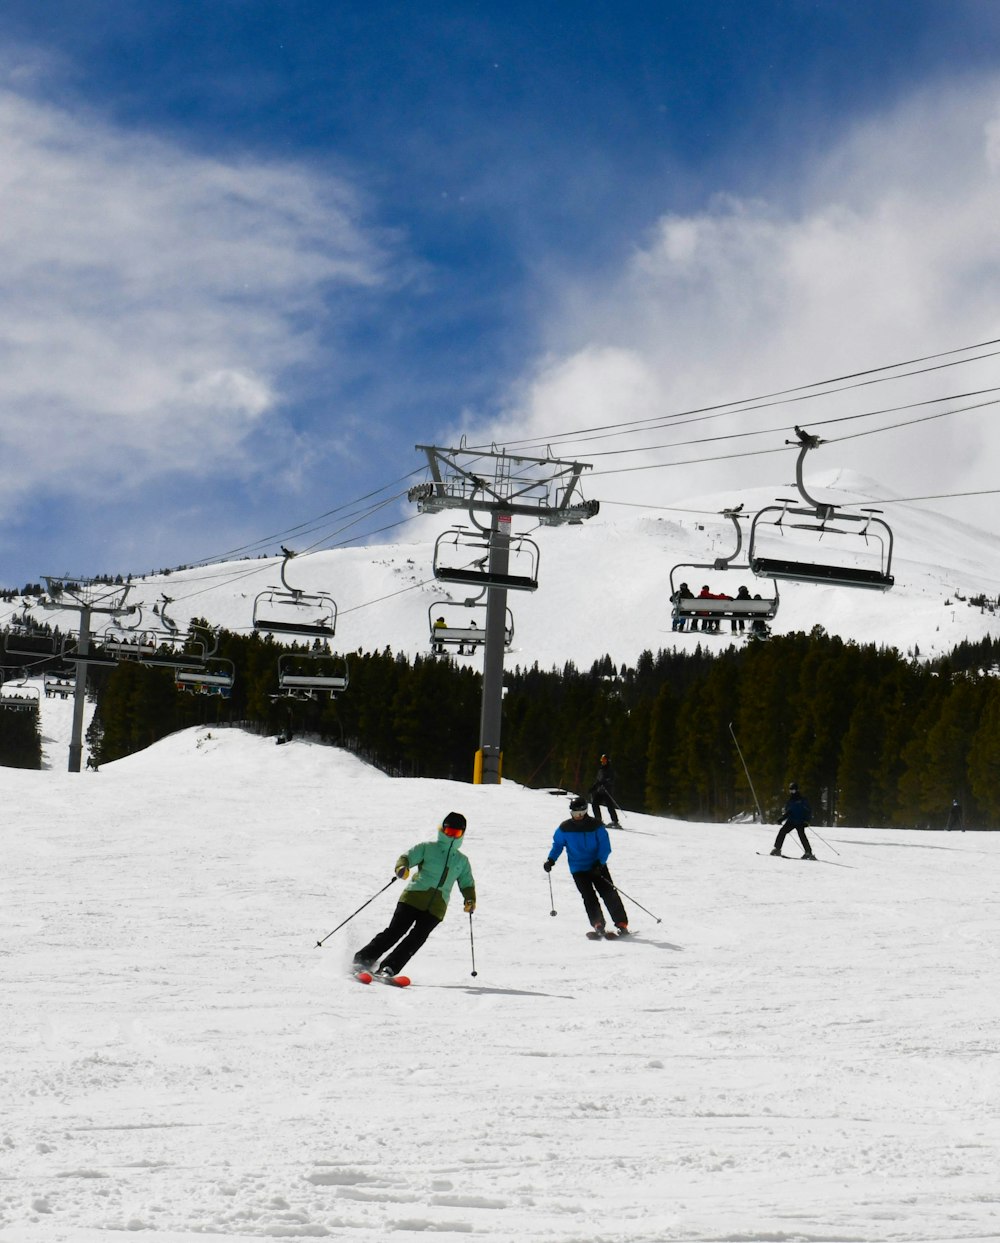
(602,792)
(796,815)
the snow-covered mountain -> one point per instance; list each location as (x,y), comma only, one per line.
(604,586)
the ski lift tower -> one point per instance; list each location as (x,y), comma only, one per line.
(494,487)
(86,596)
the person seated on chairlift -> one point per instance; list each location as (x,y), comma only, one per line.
(738,623)
(709,622)
(683,592)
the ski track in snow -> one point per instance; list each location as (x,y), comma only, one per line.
(792,1054)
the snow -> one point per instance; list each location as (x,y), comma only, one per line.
(786,1051)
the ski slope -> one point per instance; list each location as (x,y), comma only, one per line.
(793,1052)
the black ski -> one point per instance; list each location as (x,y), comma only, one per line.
(802,859)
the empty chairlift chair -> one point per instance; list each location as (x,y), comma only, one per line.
(786,538)
(288,610)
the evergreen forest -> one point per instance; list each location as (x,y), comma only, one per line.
(871,737)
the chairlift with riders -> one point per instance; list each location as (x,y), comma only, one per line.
(17,695)
(217,678)
(757,610)
(449,628)
(307,675)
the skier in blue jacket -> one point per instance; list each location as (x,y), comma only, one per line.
(588,848)
(796,815)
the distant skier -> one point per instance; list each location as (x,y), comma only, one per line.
(588,848)
(602,792)
(955,820)
(796,815)
(439,865)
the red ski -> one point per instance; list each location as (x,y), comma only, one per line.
(397,981)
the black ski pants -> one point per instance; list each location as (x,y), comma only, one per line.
(601,798)
(409,927)
(590,886)
(800,829)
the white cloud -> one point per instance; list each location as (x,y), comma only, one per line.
(151,298)
(887,248)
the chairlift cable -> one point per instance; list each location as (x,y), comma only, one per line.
(744,404)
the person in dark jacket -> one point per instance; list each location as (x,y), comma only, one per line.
(439,865)
(796,815)
(588,848)
(683,592)
(602,792)
(955,816)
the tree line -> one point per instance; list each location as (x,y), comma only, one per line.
(872,737)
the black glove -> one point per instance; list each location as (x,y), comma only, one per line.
(549,864)
(598,871)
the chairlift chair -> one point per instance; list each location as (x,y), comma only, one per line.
(127,644)
(20,642)
(450,629)
(59,682)
(217,678)
(822,519)
(19,696)
(291,611)
(760,609)
(163,649)
(296,680)
(463,556)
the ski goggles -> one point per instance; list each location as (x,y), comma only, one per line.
(448,831)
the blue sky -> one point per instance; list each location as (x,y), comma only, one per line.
(255,251)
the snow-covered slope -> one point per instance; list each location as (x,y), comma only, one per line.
(795,1051)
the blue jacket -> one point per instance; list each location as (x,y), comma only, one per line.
(797,811)
(585,841)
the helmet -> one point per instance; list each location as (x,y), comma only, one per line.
(793,788)
(453,824)
(578,804)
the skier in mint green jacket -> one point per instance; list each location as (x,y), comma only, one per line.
(439,865)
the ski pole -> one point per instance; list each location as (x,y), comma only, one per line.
(622,894)
(552,900)
(472,946)
(357,912)
(826,843)
(747,771)
(617,806)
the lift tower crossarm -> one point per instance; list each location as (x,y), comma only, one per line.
(455,486)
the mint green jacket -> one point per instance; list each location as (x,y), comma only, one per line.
(438,866)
